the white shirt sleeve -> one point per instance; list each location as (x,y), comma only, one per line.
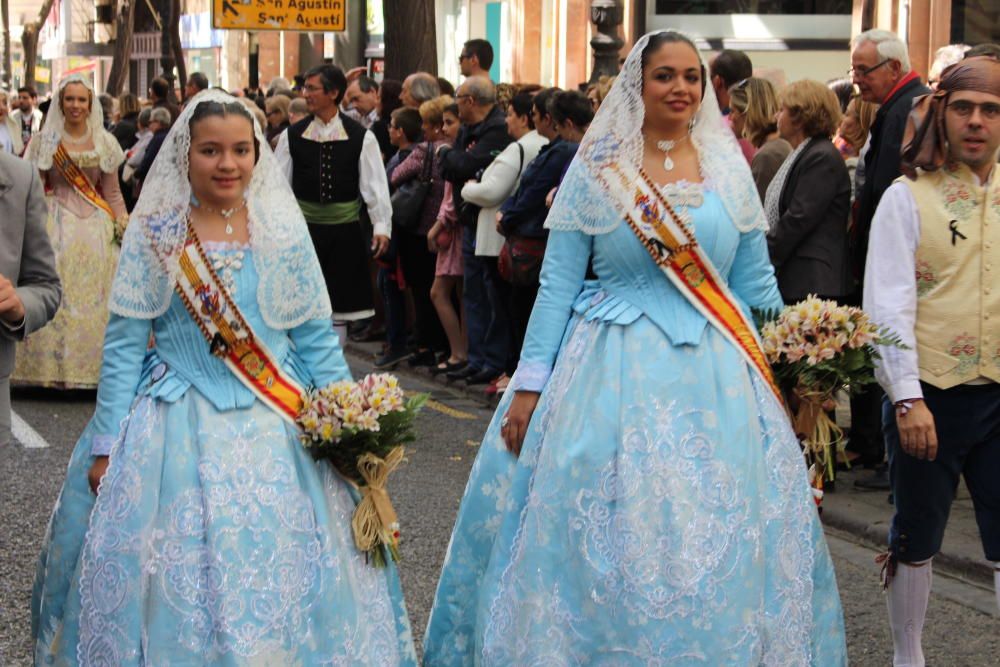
(374,186)
(890,292)
(284,156)
(498,180)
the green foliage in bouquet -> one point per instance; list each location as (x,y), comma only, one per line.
(395,428)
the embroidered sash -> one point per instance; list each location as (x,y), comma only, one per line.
(677,253)
(230,337)
(62,161)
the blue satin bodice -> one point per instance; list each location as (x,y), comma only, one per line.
(630,285)
(168,355)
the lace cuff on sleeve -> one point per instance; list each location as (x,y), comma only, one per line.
(530,376)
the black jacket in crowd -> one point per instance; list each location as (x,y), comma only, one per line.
(881,165)
(808,244)
(524,212)
(125,131)
(475,148)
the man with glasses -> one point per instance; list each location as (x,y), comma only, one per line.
(482,138)
(934,249)
(334,165)
(476,58)
(880,68)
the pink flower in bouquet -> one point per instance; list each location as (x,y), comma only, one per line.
(382,393)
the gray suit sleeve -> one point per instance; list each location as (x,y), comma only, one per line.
(38,283)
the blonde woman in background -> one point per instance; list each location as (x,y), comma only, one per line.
(753,105)
(276,108)
(597,91)
(79,161)
(10,130)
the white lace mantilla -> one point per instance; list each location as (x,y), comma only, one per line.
(44,144)
(615,137)
(291,289)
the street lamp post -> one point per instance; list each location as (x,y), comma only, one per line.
(607,16)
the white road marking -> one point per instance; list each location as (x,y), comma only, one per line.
(23,433)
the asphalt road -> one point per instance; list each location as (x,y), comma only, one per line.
(963,627)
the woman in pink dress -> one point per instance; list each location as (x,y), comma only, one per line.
(444,238)
(78,160)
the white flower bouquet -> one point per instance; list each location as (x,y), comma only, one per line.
(818,348)
(360,428)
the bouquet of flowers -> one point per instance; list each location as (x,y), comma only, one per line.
(818,348)
(360,428)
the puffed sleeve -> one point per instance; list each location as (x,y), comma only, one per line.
(318,348)
(125,343)
(752,276)
(563,272)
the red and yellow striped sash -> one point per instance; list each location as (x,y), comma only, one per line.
(677,253)
(69,169)
(230,337)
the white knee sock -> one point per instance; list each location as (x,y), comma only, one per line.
(996,581)
(909,592)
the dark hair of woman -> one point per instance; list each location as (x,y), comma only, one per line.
(446,87)
(571,105)
(388,95)
(452,109)
(219,109)
(521,103)
(844,90)
(657,41)
(541,100)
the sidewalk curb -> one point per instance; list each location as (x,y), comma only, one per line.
(875,534)
(368,352)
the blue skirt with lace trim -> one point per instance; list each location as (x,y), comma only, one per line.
(659,514)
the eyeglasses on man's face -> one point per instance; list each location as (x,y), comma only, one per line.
(964,109)
(863,72)
(463,56)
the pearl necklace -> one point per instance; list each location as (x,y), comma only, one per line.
(76,141)
(666,146)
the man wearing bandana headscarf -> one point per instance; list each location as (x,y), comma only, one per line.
(933,253)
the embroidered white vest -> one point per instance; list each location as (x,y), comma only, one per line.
(957,265)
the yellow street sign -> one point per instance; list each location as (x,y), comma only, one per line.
(307,15)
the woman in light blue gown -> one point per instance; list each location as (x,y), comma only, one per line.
(640,497)
(214,539)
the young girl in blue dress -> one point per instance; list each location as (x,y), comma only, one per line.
(193,528)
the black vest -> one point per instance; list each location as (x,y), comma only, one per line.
(326,172)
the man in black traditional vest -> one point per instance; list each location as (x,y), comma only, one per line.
(333,163)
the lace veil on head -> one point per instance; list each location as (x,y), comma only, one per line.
(43,146)
(615,136)
(290,289)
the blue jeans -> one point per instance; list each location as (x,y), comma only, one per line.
(489,330)
(395,310)
(967,421)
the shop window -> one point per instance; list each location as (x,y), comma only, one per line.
(975,22)
(792,7)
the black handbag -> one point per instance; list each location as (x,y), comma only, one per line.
(408,199)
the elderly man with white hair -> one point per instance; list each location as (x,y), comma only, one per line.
(880,67)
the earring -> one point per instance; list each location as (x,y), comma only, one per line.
(194,201)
